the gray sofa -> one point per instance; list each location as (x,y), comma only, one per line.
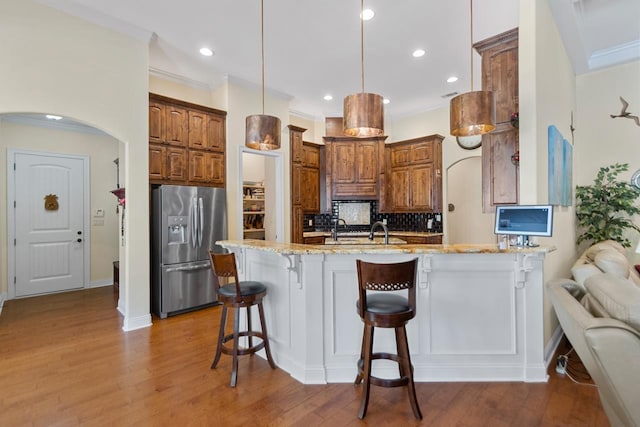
(600,315)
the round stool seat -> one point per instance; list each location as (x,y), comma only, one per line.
(247,288)
(386,304)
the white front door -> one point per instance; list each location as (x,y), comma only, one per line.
(49,223)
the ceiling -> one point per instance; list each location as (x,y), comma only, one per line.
(312,48)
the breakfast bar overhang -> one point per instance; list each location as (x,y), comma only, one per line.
(479,310)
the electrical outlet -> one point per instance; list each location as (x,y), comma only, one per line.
(561,365)
(384,221)
(310,222)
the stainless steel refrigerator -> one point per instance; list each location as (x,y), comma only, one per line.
(186,222)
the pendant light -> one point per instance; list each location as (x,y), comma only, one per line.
(262,131)
(472,113)
(363,112)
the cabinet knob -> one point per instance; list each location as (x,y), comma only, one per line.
(79,240)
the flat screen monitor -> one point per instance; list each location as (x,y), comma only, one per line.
(524,220)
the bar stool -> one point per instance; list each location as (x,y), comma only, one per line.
(238,295)
(386,310)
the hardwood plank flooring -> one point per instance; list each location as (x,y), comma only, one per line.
(64,361)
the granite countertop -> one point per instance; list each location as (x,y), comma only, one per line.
(366,233)
(301,249)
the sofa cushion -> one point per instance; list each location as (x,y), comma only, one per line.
(612,262)
(619,297)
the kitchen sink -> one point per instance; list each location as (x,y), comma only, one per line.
(362,241)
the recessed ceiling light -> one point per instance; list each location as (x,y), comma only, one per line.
(386,101)
(367,14)
(206,51)
(418,53)
(52,117)
(452,79)
(328,97)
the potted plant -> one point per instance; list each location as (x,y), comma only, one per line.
(605,209)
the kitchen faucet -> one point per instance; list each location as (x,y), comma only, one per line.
(334,231)
(384,227)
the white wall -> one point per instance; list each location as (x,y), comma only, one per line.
(244,100)
(101,150)
(601,140)
(54,63)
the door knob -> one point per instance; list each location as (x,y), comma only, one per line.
(79,240)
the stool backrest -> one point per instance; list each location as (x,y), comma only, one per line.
(224,266)
(386,277)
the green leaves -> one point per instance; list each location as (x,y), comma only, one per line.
(605,209)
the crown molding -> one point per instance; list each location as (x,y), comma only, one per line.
(80,11)
(616,55)
(177,78)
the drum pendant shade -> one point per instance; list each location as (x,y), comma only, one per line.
(363,112)
(363,115)
(472,113)
(262,132)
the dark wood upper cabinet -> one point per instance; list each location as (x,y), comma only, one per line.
(187,143)
(414,175)
(353,168)
(500,176)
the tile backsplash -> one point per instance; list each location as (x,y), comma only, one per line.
(360,214)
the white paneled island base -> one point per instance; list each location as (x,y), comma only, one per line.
(479,310)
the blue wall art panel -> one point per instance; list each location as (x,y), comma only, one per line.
(555,165)
(560,169)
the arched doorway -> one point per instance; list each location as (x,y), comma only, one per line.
(465,221)
(97,238)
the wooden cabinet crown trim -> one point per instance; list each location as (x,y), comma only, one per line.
(166,100)
(414,140)
(496,40)
(353,138)
(296,128)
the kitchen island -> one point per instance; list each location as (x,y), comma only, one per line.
(479,309)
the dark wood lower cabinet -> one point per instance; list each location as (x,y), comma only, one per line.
(315,240)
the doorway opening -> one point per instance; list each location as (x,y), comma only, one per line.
(261,186)
(465,221)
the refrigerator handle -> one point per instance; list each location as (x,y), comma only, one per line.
(201,222)
(194,222)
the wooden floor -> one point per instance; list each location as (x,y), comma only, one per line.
(64,360)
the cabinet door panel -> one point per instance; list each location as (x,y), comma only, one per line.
(422,152)
(197,130)
(296,180)
(176,164)
(503,81)
(344,156)
(399,156)
(197,166)
(156,122)
(421,187)
(310,186)
(215,172)
(500,175)
(296,146)
(399,183)
(157,161)
(215,133)
(176,125)
(367,163)
(310,156)
(297,227)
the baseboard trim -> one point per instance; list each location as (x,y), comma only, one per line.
(3,298)
(552,346)
(138,322)
(99,283)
